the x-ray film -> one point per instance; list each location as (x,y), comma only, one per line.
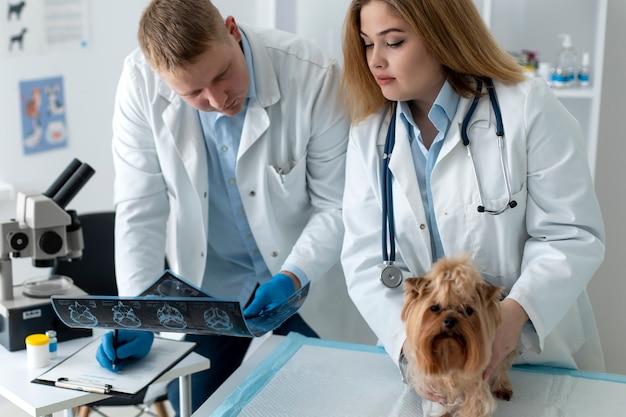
(172,304)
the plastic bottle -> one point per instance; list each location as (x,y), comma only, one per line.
(584,79)
(564,74)
(37,354)
(52,335)
(543,71)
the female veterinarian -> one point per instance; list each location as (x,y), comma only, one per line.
(453,150)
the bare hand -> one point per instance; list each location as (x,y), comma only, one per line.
(507,334)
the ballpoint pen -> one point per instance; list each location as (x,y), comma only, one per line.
(113,364)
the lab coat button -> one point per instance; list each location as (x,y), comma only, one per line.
(252,193)
(274,254)
(422,226)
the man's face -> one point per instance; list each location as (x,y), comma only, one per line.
(219,80)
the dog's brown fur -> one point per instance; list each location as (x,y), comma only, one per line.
(451,315)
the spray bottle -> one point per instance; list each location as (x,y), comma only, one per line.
(564,74)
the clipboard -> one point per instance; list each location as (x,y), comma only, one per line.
(81,371)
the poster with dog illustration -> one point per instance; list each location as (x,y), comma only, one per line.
(35,26)
(44,125)
(19,24)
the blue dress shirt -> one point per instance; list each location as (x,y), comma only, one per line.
(234,265)
(441,115)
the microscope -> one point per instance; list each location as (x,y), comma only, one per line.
(44,231)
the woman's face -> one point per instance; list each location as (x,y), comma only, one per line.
(397,56)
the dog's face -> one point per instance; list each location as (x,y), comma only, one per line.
(451,316)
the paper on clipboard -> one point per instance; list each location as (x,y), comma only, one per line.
(172,304)
(81,372)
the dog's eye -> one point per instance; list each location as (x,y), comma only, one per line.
(435,309)
(468,310)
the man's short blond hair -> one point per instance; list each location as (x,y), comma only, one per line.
(174,33)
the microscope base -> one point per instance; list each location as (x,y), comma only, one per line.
(24,315)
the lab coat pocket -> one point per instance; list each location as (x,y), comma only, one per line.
(287,187)
(497,241)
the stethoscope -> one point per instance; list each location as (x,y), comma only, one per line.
(390,275)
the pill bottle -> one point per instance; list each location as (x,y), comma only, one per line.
(52,347)
(583,71)
(37,353)
(543,71)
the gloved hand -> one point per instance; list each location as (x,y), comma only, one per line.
(131,344)
(270,294)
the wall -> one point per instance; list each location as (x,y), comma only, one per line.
(91,76)
(608,288)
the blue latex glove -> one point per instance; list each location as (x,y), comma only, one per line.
(131,344)
(270,294)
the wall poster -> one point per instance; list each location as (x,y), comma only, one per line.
(42,25)
(43,115)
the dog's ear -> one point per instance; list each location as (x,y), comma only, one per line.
(413,289)
(414,286)
(490,293)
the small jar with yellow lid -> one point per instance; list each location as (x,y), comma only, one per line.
(37,351)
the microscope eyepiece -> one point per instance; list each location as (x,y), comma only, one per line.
(72,186)
(63,178)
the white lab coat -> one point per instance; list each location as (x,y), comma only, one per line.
(544,251)
(294,124)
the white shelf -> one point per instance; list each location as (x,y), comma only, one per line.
(535,25)
(588,93)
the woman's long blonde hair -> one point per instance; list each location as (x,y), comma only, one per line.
(453,33)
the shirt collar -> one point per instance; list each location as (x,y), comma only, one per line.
(247,52)
(447,102)
(441,113)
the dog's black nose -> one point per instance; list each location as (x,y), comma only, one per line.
(449,322)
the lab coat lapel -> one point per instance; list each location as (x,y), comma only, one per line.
(255,124)
(183,125)
(257,120)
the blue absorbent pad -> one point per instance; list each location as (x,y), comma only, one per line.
(309,377)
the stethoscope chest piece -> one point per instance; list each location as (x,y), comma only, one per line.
(390,275)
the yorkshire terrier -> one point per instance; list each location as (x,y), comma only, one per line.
(451,315)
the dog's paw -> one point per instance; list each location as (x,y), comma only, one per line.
(503,394)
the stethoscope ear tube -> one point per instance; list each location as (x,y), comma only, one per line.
(390,275)
(495,105)
(470,112)
(387,196)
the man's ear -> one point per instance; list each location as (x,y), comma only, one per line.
(232,28)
